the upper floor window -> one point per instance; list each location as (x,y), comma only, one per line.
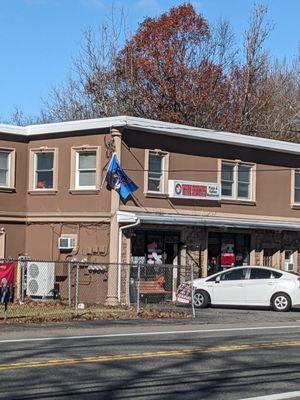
(297,187)
(43,170)
(7,168)
(156,172)
(237,180)
(4,168)
(85,168)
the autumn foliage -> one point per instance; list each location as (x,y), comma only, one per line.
(178,68)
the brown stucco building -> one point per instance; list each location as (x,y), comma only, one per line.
(207,198)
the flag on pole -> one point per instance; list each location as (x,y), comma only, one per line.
(117,179)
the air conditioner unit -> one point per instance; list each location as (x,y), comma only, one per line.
(66,243)
(289,267)
(40,279)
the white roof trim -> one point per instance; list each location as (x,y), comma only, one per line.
(13,129)
(159,127)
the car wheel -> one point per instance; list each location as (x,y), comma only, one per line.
(201,299)
(281,302)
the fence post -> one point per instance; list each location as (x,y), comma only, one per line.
(192,283)
(76,289)
(5,311)
(69,284)
(138,290)
(23,263)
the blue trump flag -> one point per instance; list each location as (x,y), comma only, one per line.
(117,179)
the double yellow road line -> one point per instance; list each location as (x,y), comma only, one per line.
(145,355)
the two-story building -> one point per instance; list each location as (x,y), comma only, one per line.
(207,198)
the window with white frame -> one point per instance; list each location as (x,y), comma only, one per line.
(297,187)
(156,172)
(43,170)
(236,180)
(7,168)
(4,168)
(86,166)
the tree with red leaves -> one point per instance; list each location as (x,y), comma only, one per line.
(178,68)
(168,70)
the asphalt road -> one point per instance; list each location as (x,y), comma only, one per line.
(154,360)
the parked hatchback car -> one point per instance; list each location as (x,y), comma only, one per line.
(244,286)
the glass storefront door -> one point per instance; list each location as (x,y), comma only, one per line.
(156,248)
(226,250)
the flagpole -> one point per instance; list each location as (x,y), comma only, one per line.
(107,169)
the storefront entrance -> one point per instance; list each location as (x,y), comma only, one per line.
(159,250)
(155,247)
(226,250)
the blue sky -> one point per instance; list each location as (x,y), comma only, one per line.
(39,38)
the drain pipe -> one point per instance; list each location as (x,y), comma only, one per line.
(121,228)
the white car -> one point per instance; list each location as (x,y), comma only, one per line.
(244,286)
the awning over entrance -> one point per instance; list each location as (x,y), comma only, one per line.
(212,221)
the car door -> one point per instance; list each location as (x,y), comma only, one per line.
(228,287)
(260,286)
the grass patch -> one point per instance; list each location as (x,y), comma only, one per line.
(56,312)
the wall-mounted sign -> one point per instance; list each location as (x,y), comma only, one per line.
(194,190)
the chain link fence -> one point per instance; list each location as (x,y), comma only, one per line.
(35,290)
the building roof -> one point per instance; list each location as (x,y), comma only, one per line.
(153,126)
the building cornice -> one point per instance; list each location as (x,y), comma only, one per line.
(153,126)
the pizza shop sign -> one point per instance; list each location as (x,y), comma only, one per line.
(194,190)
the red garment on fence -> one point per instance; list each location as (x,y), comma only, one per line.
(7,271)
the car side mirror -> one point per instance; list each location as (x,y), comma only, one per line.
(218,278)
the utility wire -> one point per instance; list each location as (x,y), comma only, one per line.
(207,170)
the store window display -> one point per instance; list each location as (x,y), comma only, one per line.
(226,250)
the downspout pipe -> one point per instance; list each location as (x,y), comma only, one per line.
(121,228)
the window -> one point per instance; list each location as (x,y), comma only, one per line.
(244,177)
(44,167)
(234,275)
(4,168)
(236,181)
(156,172)
(297,187)
(276,274)
(85,169)
(260,273)
(227,180)
(7,168)
(43,170)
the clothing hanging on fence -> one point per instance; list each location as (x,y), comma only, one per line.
(6,294)
(7,281)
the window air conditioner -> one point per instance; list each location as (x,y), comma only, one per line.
(289,267)
(66,243)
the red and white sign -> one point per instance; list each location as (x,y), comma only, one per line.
(194,190)
(7,273)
